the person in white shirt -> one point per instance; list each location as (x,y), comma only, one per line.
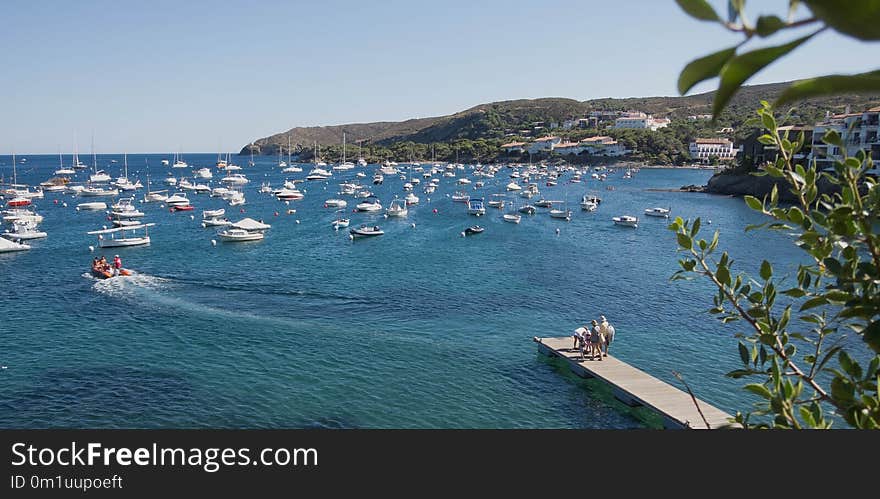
(607,331)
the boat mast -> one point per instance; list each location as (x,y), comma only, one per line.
(288,150)
(343,147)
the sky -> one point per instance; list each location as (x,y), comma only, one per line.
(207,76)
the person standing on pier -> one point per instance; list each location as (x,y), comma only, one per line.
(607,331)
(597,341)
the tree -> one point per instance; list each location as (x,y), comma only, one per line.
(839,290)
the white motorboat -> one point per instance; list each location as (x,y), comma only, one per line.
(93,191)
(528,209)
(626,221)
(155,196)
(213,213)
(588,204)
(236,198)
(216,222)
(99,176)
(460,197)
(336,203)
(464,181)
(124,208)
(122,236)
(365,231)
(496,202)
(397,208)
(204,173)
(7,246)
(92,206)
(512,218)
(251,225)
(170,180)
(561,214)
(411,199)
(371,205)
(23,230)
(319,174)
(292,169)
(340,223)
(657,212)
(237,235)
(513,186)
(378,178)
(289,194)
(476,207)
(235,179)
(177,199)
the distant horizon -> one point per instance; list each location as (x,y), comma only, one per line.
(150,76)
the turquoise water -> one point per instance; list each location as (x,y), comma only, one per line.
(420,328)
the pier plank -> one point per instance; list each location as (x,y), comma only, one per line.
(636,387)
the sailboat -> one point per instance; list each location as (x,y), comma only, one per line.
(344,165)
(151,196)
(61,169)
(123,183)
(179,162)
(291,168)
(251,162)
(98,175)
(361,161)
(281,162)
(77,164)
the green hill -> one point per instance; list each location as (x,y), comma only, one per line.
(479,130)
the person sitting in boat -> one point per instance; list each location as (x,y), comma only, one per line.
(117,265)
(103,265)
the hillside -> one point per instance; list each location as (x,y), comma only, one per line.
(501,120)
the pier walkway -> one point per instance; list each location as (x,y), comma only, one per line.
(638,388)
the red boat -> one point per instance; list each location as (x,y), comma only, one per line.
(18,202)
(185,207)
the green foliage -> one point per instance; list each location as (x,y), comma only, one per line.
(858,19)
(804,368)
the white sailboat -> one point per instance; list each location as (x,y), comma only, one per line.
(122,236)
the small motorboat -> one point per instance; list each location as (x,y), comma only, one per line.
(473,229)
(397,208)
(7,246)
(544,203)
(657,212)
(91,206)
(216,222)
(512,218)
(369,206)
(528,209)
(563,214)
(183,207)
(476,207)
(626,221)
(206,214)
(103,273)
(366,231)
(411,199)
(340,223)
(336,203)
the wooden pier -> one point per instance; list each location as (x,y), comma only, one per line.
(638,388)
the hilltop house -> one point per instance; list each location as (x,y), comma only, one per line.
(640,120)
(705,149)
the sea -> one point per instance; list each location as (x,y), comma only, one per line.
(422,327)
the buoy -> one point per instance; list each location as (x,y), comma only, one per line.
(242,210)
(351,237)
(462,234)
(192,217)
(557,231)
(213,242)
(204,226)
(385,216)
(91,248)
(413,226)
(435,210)
(56,201)
(287,203)
(325,205)
(276,213)
(297,221)
(64,205)
(77,208)
(161,206)
(170,210)
(710,222)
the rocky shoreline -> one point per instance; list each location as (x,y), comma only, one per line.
(742,184)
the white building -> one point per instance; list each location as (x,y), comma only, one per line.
(544,144)
(512,147)
(640,120)
(602,146)
(567,148)
(704,149)
(859,131)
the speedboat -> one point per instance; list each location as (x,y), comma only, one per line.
(234,234)
(336,203)
(657,212)
(216,222)
(563,214)
(544,203)
(23,230)
(411,199)
(588,205)
(527,209)
(397,209)
(235,179)
(476,207)
(626,221)
(289,194)
(204,173)
(105,273)
(97,192)
(92,206)
(460,197)
(512,218)
(177,199)
(365,231)
(213,213)
(7,246)
(496,203)
(99,176)
(369,206)
(473,229)
(340,223)
(513,186)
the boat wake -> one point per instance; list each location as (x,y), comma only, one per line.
(127,286)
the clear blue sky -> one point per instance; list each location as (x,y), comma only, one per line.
(199,76)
